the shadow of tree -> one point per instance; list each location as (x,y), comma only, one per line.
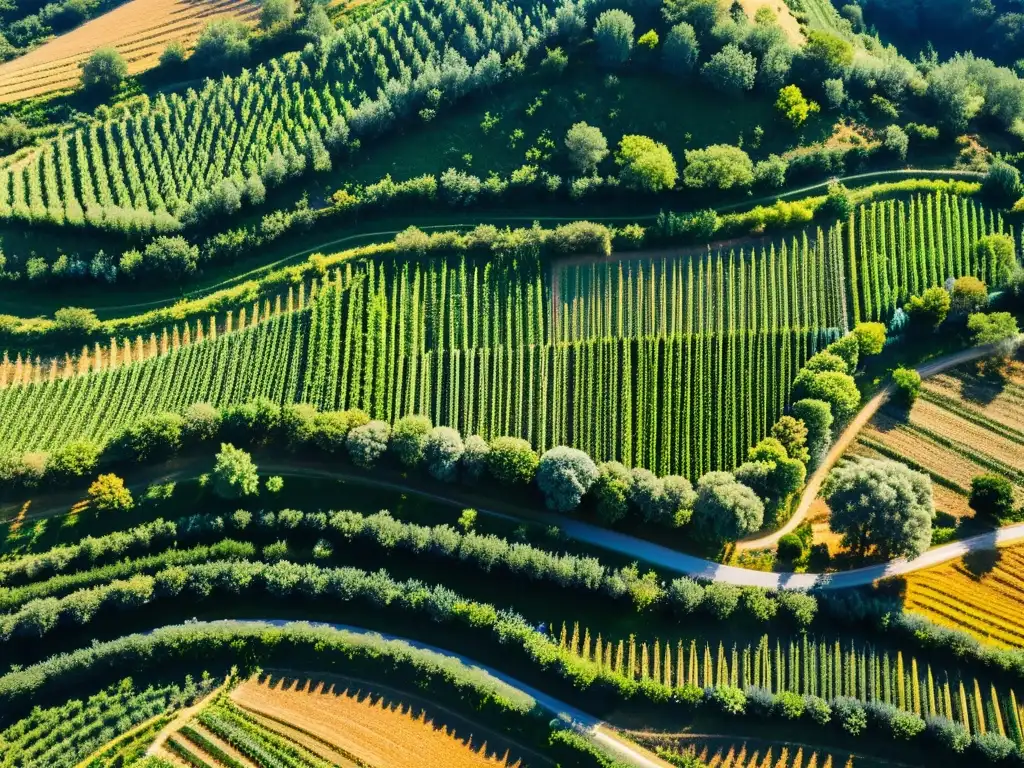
(982,562)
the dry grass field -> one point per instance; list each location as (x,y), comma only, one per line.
(139,29)
(966,423)
(369,726)
(981,594)
(725,752)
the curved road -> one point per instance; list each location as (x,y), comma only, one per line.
(849,435)
(592,726)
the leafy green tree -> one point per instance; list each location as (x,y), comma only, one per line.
(587,147)
(109,494)
(794,107)
(725,509)
(996,328)
(157,435)
(275,14)
(703,15)
(614,32)
(318,26)
(998,252)
(73,460)
(649,40)
(104,70)
(442,451)
(790,548)
(611,492)
(76,322)
(881,504)
(720,166)
(896,141)
(732,70)
(825,55)
(408,439)
(870,338)
(367,444)
(839,390)
(817,417)
(234,473)
(928,311)
(792,435)
(908,385)
(992,496)
(512,461)
(681,51)
(173,56)
(564,475)
(969,295)
(223,43)
(771,172)
(173,256)
(14,134)
(1002,183)
(647,165)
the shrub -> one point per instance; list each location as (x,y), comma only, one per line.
(758,604)
(728,700)
(992,496)
(408,438)
(792,433)
(800,606)
(720,166)
(969,295)
(587,147)
(794,107)
(928,311)
(298,422)
(685,595)
(474,458)
(993,746)
(721,599)
(173,56)
(274,484)
(73,460)
(234,474)
(817,417)
(611,492)
(512,461)
(104,70)
(367,444)
(725,509)
(790,547)
(613,32)
(647,165)
(682,50)
(679,499)
(442,450)
(155,436)
(109,494)
(870,338)
(850,715)
(790,705)
(331,428)
(201,422)
(818,710)
(222,43)
(837,389)
(732,70)
(564,475)
(951,735)
(999,328)
(75,322)
(908,385)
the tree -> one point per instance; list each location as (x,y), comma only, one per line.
(790,548)
(104,70)
(611,492)
(794,107)
(408,439)
(157,435)
(109,494)
(76,322)
(73,460)
(647,165)
(725,509)
(367,444)
(223,43)
(298,422)
(442,450)
(1002,183)
(564,475)
(276,13)
(331,428)
(771,172)
(838,201)
(928,311)
(969,295)
(908,385)
(173,256)
(647,495)
(702,14)
(792,435)
(896,141)
(839,390)
(998,254)
(512,461)
(587,147)
(679,499)
(817,417)
(173,56)
(14,134)
(825,55)
(720,166)
(870,339)
(881,504)
(318,26)
(992,497)
(234,474)
(613,32)
(731,69)
(998,328)
(201,422)
(649,40)
(681,51)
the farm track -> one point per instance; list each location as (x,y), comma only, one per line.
(848,437)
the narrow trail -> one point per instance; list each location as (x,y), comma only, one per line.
(846,439)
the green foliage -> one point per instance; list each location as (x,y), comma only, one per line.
(109,494)
(234,473)
(587,147)
(1002,184)
(969,295)
(408,439)
(992,496)
(221,44)
(732,70)
(726,510)
(870,339)
(794,107)
(792,434)
(512,461)
(564,475)
(75,322)
(720,166)
(611,492)
(647,165)
(928,311)
(104,70)
(613,31)
(790,547)
(908,385)
(995,328)
(681,51)
(367,444)
(837,389)
(74,460)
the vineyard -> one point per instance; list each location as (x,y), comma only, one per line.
(965,424)
(139,29)
(177,158)
(715,754)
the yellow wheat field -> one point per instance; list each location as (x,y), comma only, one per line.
(139,29)
(746,756)
(983,595)
(375,730)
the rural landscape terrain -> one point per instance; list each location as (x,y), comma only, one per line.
(519,383)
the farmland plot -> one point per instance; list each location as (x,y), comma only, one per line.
(140,30)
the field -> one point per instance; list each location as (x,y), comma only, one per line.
(966,423)
(726,753)
(980,595)
(139,29)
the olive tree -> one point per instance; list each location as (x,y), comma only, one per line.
(725,509)
(442,450)
(564,475)
(587,147)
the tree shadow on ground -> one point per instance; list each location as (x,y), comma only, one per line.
(985,383)
(982,562)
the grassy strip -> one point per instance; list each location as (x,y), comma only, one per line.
(888,452)
(211,749)
(989,463)
(969,414)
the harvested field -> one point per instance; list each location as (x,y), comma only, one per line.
(139,29)
(730,752)
(372,724)
(981,594)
